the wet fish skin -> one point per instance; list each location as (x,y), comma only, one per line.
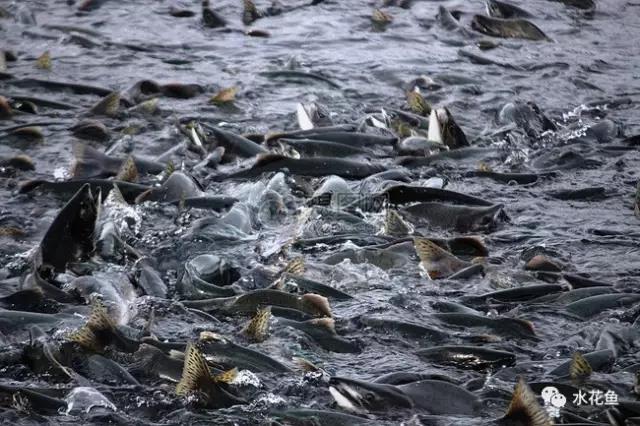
(454,217)
(235,145)
(312,286)
(308,416)
(225,351)
(130,191)
(69,235)
(473,357)
(593,305)
(504,326)
(408,329)
(499,9)
(314,167)
(324,334)
(507,28)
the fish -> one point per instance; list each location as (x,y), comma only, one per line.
(130,191)
(89,129)
(594,305)
(258,328)
(585,364)
(150,361)
(306,416)
(404,194)
(20,162)
(404,328)
(182,189)
(92,163)
(68,238)
(434,396)
(107,371)
(312,115)
(314,167)
(320,148)
(471,357)
(499,9)
(323,332)
(224,351)
(356,139)
(524,408)
(454,217)
(519,178)
(519,294)
(499,325)
(250,12)
(235,145)
(435,261)
(148,278)
(100,331)
(507,28)
(209,391)
(312,286)
(108,106)
(210,18)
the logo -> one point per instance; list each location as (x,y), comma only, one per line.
(553,401)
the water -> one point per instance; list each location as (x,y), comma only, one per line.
(587,73)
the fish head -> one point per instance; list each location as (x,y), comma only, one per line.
(485,218)
(359,396)
(485,25)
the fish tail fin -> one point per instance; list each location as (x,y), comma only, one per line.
(295,266)
(227,376)
(128,171)
(579,367)
(195,371)
(99,320)
(258,327)
(107,106)
(395,225)
(524,406)
(86,338)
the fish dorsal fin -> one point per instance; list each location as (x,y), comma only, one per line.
(435,260)
(116,195)
(484,167)
(579,367)
(427,250)
(195,371)
(317,304)
(250,12)
(264,159)
(306,365)
(418,104)
(86,338)
(524,406)
(107,106)
(258,327)
(295,266)
(227,376)
(327,323)
(99,319)
(395,225)
(128,171)
(209,336)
